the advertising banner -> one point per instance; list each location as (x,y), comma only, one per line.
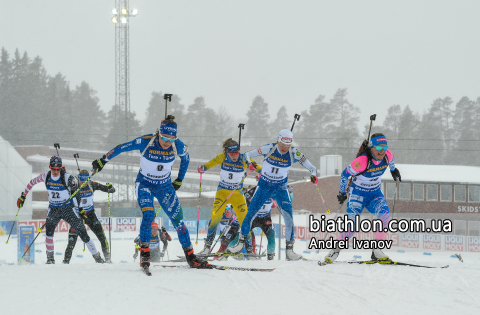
(473,244)
(454,243)
(26,234)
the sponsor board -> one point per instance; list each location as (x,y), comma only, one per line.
(26,234)
(61,227)
(473,244)
(432,241)
(410,240)
(126,224)
(454,243)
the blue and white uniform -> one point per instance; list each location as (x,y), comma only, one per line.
(273,183)
(364,189)
(153,180)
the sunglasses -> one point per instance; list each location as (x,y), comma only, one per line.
(56,168)
(168,139)
(233,153)
(380,148)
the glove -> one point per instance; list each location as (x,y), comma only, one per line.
(201,169)
(252,166)
(21,200)
(257,177)
(162,254)
(177,183)
(314,179)
(82,213)
(98,164)
(165,233)
(341,197)
(111,189)
(396,175)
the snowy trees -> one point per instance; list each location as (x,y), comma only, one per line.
(38,108)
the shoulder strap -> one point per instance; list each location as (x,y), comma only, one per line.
(369,163)
(49,174)
(270,152)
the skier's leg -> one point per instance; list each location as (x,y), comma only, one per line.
(53,217)
(217,214)
(355,206)
(260,197)
(378,205)
(97,228)
(285,204)
(145,201)
(168,199)
(71,217)
(72,240)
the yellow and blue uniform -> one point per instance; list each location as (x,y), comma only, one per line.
(231,174)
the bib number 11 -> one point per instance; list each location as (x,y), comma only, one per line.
(275,170)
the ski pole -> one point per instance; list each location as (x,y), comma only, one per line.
(13,225)
(223,232)
(109,228)
(85,229)
(39,230)
(324,203)
(261,239)
(198,214)
(233,191)
(295,118)
(395,196)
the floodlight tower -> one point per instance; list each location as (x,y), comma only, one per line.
(121,18)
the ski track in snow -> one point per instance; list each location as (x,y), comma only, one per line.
(301,287)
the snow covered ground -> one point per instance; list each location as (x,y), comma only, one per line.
(302,287)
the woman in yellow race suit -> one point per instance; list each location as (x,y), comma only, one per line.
(233,166)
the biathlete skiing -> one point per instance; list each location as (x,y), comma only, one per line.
(153,181)
(278,159)
(366,173)
(89,216)
(60,185)
(232,172)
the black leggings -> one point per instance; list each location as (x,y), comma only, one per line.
(96,226)
(66,213)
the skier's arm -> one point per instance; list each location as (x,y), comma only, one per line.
(182,152)
(39,179)
(104,188)
(357,166)
(213,162)
(391,160)
(302,159)
(263,150)
(136,144)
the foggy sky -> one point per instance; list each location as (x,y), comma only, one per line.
(289,52)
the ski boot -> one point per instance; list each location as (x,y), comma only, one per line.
(145,257)
(270,256)
(98,258)
(206,248)
(108,258)
(331,256)
(68,255)
(194,261)
(66,261)
(380,257)
(291,255)
(237,248)
(50,258)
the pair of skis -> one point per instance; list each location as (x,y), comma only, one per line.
(222,268)
(388,262)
